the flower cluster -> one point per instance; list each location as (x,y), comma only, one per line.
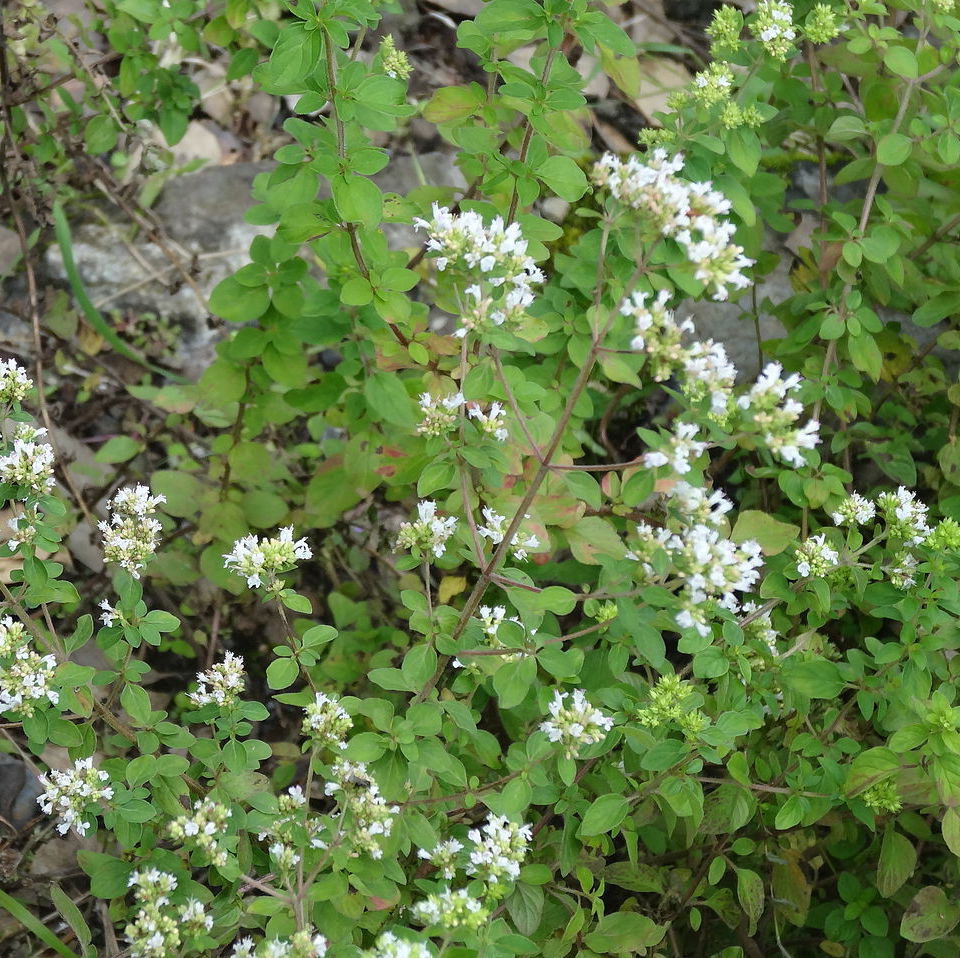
(902,572)
(774,413)
(822,23)
(444,856)
(130,537)
(14,382)
(155,930)
(883,797)
(760,628)
(692,214)
(670,702)
(772,25)
(439,415)
(204,828)
(679,451)
(855,510)
(395,62)
(222,685)
(906,518)
(815,558)
(24,528)
(292,821)
(359,794)
(713,85)
(657,332)
(697,506)
(708,372)
(724,31)
(25,675)
(490,423)
(327,722)
(575,725)
(29,464)
(499,252)
(450,910)
(70,793)
(262,562)
(500,847)
(428,532)
(388,945)
(496,529)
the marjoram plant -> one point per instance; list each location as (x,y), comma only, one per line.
(575,639)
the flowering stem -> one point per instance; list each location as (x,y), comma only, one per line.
(486,574)
(293,642)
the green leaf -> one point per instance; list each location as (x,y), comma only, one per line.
(100,135)
(902,61)
(108,875)
(183,492)
(750,895)
(938,307)
(604,815)
(136,701)
(282,673)
(930,915)
(454,103)
(870,767)
(563,176)
(389,400)
(358,199)
(894,149)
(866,354)
(817,679)
(898,859)
(624,931)
(237,303)
(772,535)
(28,920)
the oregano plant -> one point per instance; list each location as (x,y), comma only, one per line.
(500,609)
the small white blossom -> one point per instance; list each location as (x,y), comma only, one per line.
(450,910)
(902,574)
(815,558)
(222,685)
(499,848)
(14,382)
(576,724)
(491,619)
(855,510)
(327,722)
(491,423)
(155,930)
(388,945)
(679,451)
(130,537)
(439,415)
(194,915)
(359,794)
(657,333)
(443,856)
(29,463)
(70,793)
(26,681)
(261,562)
(496,529)
(496,254)
(203,828)
(428,532)
(708,372)
(697,505)
(905,516)
(774,413)
(773,27)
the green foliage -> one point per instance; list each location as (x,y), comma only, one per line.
(545,645)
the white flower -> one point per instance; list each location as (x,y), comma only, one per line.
(428,532)
(499,848)
(657,332)
(29,463)
(902,574)
(855,510)
(130,537)
(491,422)
(496,529)
(444,857)
(439,415)
(815,558)
(491,619)
(358,793)
(261,562)
(26,681)
(388,945)
(773,27)
(697,505)
(14,382)
(222,685)
(70,793)
(203,828)
(327,722)
(679,451)
(576,724)
(905,516)
(497,252)
(450,910)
